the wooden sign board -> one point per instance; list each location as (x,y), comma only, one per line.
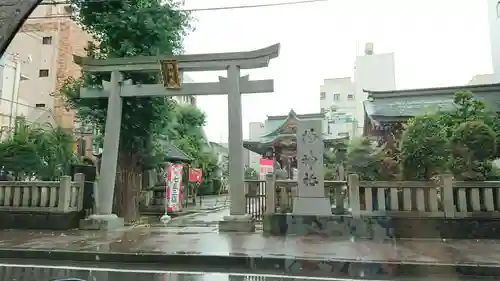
(171,74)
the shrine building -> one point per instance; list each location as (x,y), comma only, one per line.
(278,140)
(388,111)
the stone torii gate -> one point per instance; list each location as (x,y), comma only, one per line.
(172,68)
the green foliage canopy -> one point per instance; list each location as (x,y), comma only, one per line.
(185,130)
(363,159)
(33,152)
(124,29)
(423,150)
(463,141)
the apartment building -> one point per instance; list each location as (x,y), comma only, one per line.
(482,79)
(11,106)
(494,27)
(341,99)
(45,45)
(252,159)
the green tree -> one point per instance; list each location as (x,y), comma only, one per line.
(19,153)
(185,130)
(472,145)
(33,152)
(364,160)
(330,164)
(129,28)
(55,148)
(462,140)
(423,151)
(467,108)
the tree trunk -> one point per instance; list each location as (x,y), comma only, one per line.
(127,190)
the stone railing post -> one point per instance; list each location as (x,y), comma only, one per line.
(353,186)
(64,194)
(80,188)
(270,194)
(447,195)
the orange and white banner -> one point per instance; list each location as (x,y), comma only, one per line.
(174,187)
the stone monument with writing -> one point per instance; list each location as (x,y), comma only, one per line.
(311,198)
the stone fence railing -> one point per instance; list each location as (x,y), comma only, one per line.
(43,196)
(278,195)
(442,198)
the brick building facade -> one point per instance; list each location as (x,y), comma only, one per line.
(46,44)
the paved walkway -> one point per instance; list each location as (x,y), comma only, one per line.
(168,241)
(195,240)
(208,202)
(205,221)
(202,246)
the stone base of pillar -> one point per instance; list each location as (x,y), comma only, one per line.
(312,206)
(101,222)
(237,223)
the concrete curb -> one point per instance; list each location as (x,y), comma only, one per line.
(286,265)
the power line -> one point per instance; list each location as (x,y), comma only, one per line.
(186,10)
(26,105)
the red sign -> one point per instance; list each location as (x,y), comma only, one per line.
(266,162)
(195,175)
(266,166)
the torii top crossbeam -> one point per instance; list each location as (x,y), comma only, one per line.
(192,62)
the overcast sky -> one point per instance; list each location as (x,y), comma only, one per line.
(437,43)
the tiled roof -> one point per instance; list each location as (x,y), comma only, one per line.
(408,103)
(174,153)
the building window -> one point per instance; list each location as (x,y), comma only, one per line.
(498,9)
(43,73)
(336,96)
(350,97)
(322,111)
(40,105)
(322,95)
(47,40)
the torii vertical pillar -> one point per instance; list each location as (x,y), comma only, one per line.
(238,220)
(104,217)
(235,140)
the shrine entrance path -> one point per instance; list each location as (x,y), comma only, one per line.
(133,244)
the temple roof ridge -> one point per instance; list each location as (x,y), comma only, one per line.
(432,91)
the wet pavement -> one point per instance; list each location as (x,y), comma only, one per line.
(171,241)
(201,247)
(209,202)
(194,240)
(204,221)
